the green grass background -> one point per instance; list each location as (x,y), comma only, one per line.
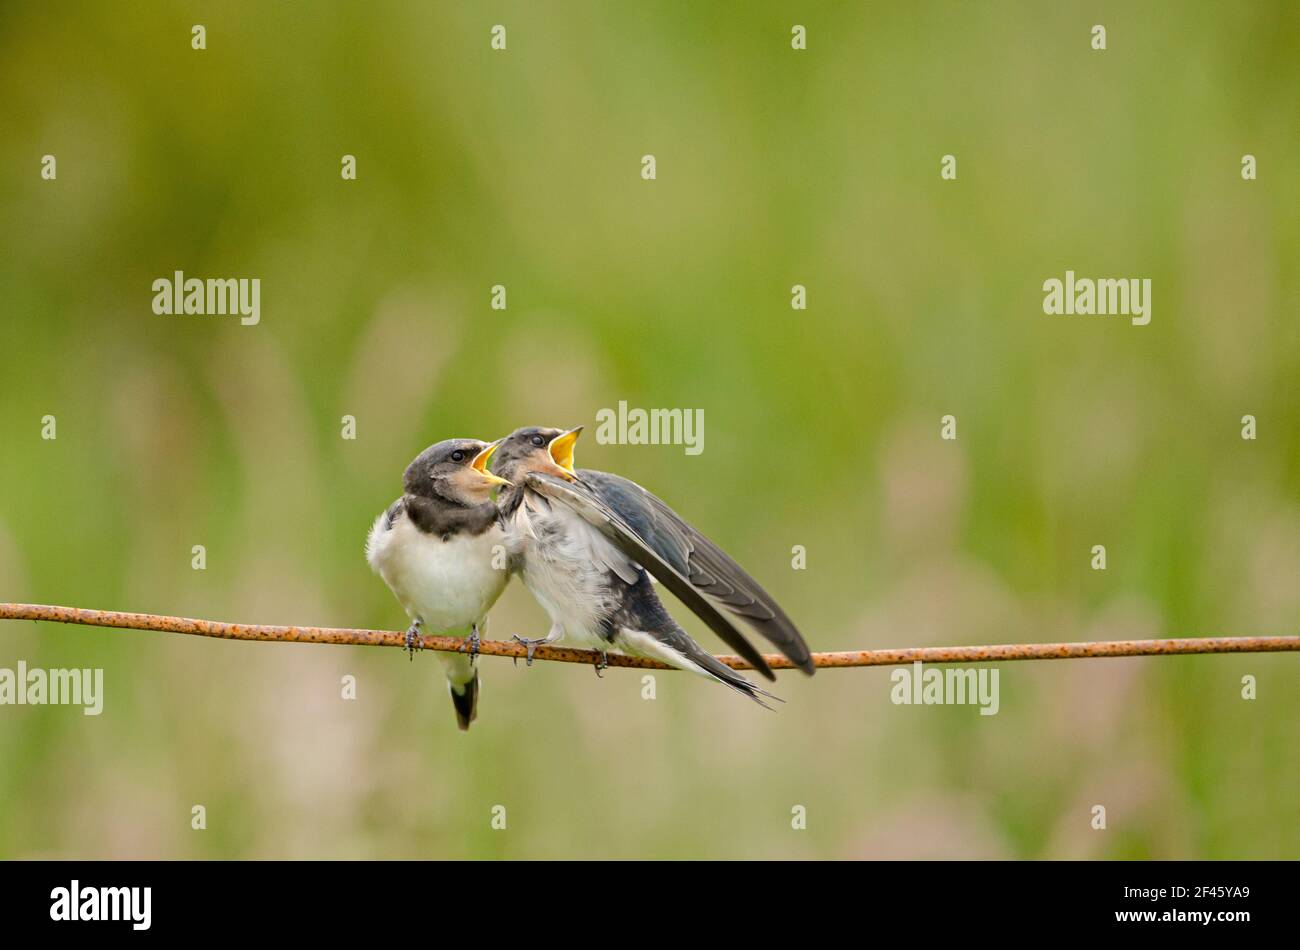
(775,167)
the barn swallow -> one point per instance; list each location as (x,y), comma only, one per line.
(441,550)
(586,544)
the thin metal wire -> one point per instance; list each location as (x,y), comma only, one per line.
(852,658)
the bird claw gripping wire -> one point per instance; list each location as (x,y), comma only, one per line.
(472,644)
(413,638)
(529,646)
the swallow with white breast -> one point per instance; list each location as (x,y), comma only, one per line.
(441,550)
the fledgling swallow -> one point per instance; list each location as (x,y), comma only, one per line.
(434,549)
(586,543)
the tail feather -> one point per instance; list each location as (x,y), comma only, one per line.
(465,701)
(680,642)
(462,684)
(729,677)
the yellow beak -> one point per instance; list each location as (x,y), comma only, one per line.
(480,464)
(561,449)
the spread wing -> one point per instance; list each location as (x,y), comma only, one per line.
(697,559)
(611,521)
(709,569)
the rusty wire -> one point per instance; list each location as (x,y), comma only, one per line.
(852,658)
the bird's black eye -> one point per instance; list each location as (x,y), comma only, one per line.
(458,456)
(538,440)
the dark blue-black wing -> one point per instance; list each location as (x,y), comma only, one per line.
(709,569)
(693,557)
(595,510)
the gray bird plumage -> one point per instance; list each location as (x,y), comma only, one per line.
(617,527)
(706,566)
(587,543)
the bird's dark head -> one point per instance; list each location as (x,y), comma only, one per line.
(456,470)
(536,449)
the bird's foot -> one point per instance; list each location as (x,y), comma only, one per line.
(602,666)
(413,638)
(530,646)
(472,644)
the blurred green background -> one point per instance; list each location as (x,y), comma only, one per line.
(775,167)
